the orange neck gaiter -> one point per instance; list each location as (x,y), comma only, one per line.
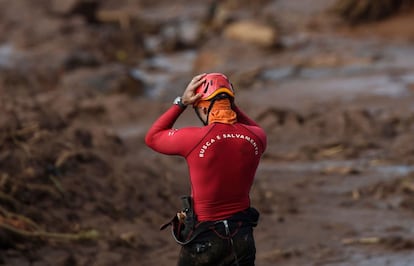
(221,111)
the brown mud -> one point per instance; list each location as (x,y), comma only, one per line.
(81,82)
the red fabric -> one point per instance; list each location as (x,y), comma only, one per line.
(222,160)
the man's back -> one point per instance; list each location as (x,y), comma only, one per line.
(222,166)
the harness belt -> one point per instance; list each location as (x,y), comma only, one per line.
(185,232)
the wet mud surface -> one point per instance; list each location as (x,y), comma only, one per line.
(81,82)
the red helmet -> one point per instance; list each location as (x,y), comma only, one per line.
(215,84)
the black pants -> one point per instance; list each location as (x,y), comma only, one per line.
(217,248)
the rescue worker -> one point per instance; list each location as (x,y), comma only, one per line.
(216,224)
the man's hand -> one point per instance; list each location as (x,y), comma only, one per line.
(189,95)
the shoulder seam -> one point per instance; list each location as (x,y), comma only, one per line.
(199,141)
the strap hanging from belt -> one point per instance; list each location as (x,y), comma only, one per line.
(226,227)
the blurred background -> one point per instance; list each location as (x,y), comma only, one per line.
(331,82)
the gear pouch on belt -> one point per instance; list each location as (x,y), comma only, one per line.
(183,229)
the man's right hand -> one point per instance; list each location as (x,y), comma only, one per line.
(189,95)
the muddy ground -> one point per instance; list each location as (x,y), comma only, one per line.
(81,82)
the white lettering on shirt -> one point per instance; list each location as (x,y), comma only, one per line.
(210,142)
(172,132)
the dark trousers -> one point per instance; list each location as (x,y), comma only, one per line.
(217,247)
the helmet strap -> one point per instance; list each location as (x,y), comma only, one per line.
(199,116)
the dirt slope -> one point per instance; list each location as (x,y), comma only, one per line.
(81,82)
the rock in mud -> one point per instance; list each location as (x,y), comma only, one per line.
(253,32)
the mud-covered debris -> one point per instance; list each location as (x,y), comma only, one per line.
(340,170)
(253,32)
(393,242)
(362,240)
(281,253)
(85,8)
(363,11)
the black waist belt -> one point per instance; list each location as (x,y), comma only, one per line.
(184,232)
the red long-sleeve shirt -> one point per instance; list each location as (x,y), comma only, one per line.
(222,160)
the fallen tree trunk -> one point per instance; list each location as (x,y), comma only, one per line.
(362,11)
